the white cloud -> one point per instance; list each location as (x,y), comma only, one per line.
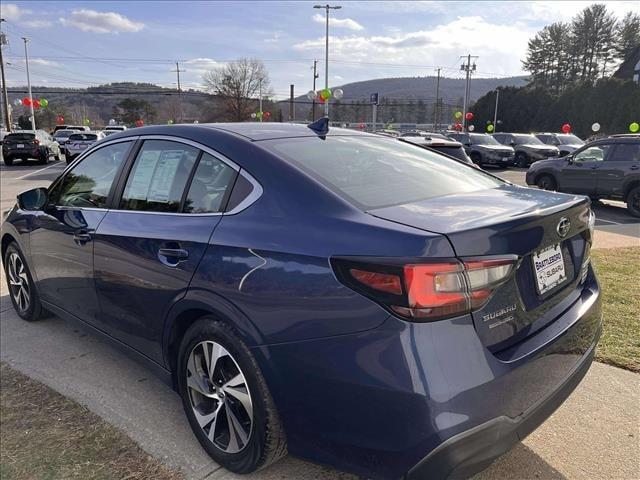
(201,65)
(43,62)
(564,11)
(500,46)
(37,23)
(347,23)
(101,22)
(12,12)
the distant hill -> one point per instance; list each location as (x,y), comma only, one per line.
(411,90)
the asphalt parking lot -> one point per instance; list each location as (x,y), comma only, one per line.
(593,435)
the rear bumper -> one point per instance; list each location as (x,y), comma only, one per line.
(472,451)
(425,400)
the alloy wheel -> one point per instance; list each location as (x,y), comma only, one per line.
(19,282)
(219,396)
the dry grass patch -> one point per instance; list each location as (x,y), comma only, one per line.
(47,436)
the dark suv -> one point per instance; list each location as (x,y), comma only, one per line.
(26,144)
(528,148)
(484,149)
(607,168)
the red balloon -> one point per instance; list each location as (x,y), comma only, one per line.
(566,128)
(457,126)
(469,116)
(59,119)
(362,126)
(139,123)
(36,103)
(26,101)
(320,99)
(266,115)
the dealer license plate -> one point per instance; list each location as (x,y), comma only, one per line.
(548,267)
(20,145)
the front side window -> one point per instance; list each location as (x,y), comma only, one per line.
(159,176)
(88,184)
(209,187)
(592,154)
(482,139)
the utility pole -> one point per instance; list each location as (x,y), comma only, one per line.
(260,101)
(178,71)
(495,112)
(315,76)
(468,68)
(436,112)
(26,60)
(5,95)
(327,7)
(292,111)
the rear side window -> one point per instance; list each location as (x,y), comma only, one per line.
(625,152)
(455,152)
(376,172)
(210,186)
(88,184)
(159,176)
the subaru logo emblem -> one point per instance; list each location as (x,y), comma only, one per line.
(564,225)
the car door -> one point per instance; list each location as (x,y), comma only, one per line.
(578,173)
(148,247)
(61,242)
(623,159)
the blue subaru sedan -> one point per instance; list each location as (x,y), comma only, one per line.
(345,297)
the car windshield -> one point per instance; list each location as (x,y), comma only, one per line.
(20,137)
(570,140)
(63,133)
(482,139)
(83,136)
(521,139)
(376,172)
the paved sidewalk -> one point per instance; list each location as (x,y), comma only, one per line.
(593,435)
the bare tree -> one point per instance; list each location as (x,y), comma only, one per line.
(238,83)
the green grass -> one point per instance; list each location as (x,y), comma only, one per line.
(618,271)
(47,436)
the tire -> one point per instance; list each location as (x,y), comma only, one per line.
(633,201)
(8,161)
(522,160)
(56,157)
(256,413)
(24,297)
(546,182)
(68,157)
(44,157)
(476,158)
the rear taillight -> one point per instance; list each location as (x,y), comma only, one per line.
(427,291)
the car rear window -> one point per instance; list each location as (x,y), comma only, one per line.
(377,172)
(20,137)
(83,136)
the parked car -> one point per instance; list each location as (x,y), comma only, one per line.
(527,147)
(79,142)
(115,128)
(603,169)
(26,144)
(61,136)
(343,296)
(484,149)
(80,128)
(565,142)
(440,144)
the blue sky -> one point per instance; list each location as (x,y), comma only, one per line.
(73,43)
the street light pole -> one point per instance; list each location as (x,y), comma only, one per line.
(468,69)
(327,7)
(26,59)
(260,101)
(5,95)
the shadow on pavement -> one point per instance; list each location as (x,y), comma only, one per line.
(522,463)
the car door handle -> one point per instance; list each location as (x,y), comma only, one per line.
(172,256)
(81,238)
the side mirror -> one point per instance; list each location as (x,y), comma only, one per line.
(570,159)
(34,199)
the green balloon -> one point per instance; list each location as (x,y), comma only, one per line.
(44,102)
(259,114)
(87,121)
(489,128)
(325,93)
(458,115)
(169,122)
(634,127)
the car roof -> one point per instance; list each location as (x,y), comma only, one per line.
(253,131)
(429,141)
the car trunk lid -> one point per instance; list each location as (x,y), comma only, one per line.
(511,221)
